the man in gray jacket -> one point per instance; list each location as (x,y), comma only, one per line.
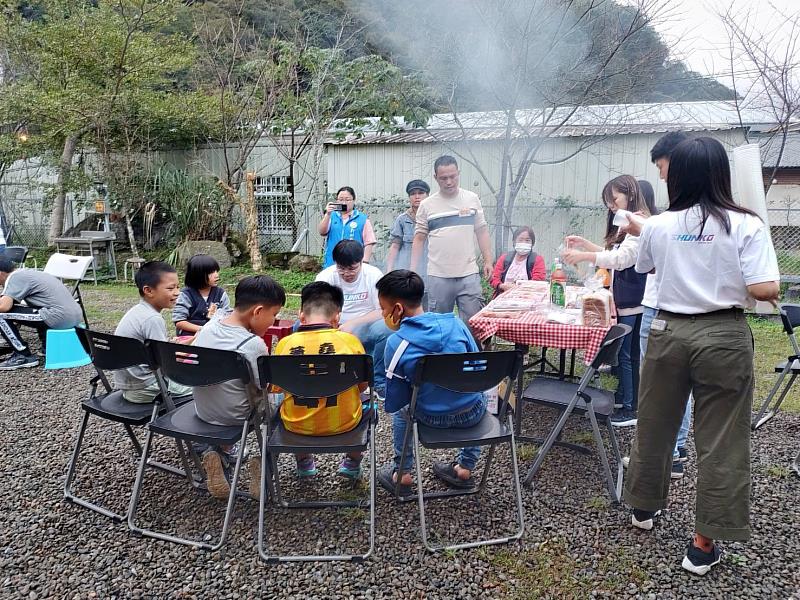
(48,305)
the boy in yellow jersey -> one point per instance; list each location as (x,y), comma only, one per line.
(320,306)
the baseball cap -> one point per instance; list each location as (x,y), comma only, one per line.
(418,184)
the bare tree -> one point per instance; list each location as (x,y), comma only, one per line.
(545,62)
(765,72)
(332,93)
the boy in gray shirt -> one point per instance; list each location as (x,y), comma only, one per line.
(159,288)
(259,299)
(48,304)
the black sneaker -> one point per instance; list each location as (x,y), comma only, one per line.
(698,562)
(677,470)
(644,519)
(624,418)
(682,454)
(19,361)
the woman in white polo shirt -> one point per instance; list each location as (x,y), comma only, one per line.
(711,259)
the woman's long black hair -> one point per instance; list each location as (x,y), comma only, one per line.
(700,175)
(624,184)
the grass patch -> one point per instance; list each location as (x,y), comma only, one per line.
(582,437)
(551,571)
(527,451)
(736,559)
(352,514)
(778,471)
(597,503)
(450,553)
(292,281)
(354,493)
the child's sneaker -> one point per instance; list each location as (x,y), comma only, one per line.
(232,453)
(306,467)
(350,468)
(216,481)
(698,562)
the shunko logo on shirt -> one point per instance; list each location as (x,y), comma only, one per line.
(705,238)
(356,297)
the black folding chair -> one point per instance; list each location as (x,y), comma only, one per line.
(467,372)
(316,378)
(111,352)
(193,366)
(578,398)
(790,315)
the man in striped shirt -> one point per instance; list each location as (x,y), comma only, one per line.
(451,220)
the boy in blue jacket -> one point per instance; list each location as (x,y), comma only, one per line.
(419,333)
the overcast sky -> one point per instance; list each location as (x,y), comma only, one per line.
(699,38)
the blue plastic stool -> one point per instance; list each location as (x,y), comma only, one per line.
(64,350)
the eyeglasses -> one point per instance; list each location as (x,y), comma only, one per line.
(351,269)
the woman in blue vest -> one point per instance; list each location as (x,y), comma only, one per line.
(344,222)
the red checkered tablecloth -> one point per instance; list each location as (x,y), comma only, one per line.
(534,329)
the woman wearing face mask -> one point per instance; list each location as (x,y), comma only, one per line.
(342,221)
(523,263)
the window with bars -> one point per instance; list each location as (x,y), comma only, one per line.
(274,205)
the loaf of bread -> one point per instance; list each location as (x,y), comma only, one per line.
(597,309)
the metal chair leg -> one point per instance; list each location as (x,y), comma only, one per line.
(601,450)
(617,456)
(132,511)
(137,447)
(137,485)
(266,484)
(421,496)
(232,495)
(517,486)
(274,482)
(407,447)
(796,464)
(373,493)
(423,528)
(486,466)
(69,496)
(761,418)
(551,438)
(72,467)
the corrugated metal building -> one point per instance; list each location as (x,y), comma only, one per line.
(561,194)
(603,142)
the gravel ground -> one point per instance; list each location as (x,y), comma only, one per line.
(576,545)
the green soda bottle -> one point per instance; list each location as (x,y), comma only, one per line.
(558,285)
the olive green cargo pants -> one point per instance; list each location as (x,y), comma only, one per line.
(712,356)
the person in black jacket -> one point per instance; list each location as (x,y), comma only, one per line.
(201,298)
(620,253)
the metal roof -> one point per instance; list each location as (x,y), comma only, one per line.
(771,147)
(599,120)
